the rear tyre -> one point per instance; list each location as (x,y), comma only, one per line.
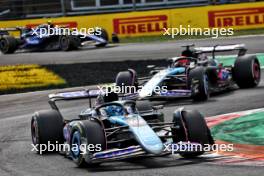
(191,127)
(68,42)
(46,127)
(127,78)
(8,44)
(86,133)
(247,72)
(144,106)
(199,84)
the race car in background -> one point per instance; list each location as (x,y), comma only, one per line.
(195,75)
(122,128)
(32,39)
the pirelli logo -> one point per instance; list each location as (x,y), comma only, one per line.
(143,24)
(236,17)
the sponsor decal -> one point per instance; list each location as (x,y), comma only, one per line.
(69,24)
(236,17)
(138,25)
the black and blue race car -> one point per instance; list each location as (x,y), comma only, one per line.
(117,129)
(194,74)
(32,38)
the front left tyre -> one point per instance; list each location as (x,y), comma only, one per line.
(198,82)
(190,126)
(68,42)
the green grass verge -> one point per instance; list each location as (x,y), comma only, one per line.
(248,129)
(230,59)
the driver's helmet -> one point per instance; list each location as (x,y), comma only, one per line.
(106,98)
(50,23)
(114,110)
(187,53)
(182,62)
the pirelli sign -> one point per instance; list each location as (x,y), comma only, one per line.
(242,17)
(140,24)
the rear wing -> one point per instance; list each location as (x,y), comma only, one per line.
(73,95)
(222,48)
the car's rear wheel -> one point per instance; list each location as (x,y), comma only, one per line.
(127,78)
(84,134)
(247,72)
(46,127)
(190,126)
(146,110)
(8,44)
(68,42)
(199,84)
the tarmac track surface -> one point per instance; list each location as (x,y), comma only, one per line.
(16,157)
(123,52)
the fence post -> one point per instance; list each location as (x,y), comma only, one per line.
(134,5)
(63,11)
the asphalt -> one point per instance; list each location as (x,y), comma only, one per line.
(16,157)
(121,52)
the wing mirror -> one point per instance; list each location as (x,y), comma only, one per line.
(158,107)
(151,66)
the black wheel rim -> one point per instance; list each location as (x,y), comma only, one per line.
(34,132)
(64,42)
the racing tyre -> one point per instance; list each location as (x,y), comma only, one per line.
(146,111)
(127,78)
(144,106)
(86,133)
(46,128)
(8,44)
(191,126)
(199,84)
(247,71)
(68,42)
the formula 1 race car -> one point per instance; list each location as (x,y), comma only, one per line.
(55,38)
(118,129)
(195,75)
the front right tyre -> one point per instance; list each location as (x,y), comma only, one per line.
(46,128)
(84,134)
